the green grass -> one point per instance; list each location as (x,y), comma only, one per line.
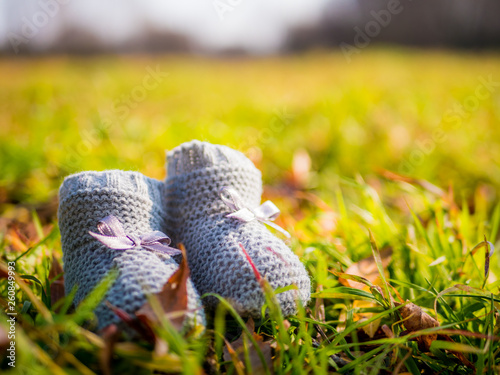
(388,110)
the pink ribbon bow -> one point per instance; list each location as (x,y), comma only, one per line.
(265,213)
(113,236)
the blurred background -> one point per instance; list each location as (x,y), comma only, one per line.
(239,26)
(310,91)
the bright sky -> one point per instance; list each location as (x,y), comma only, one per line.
(256,25)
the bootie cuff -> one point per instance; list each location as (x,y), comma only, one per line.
(125,182)
(196,155)
(86,198)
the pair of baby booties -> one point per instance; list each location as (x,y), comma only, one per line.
(188,207)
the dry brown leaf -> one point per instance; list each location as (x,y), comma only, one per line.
(4,272)
(301,169)
(13,238)
(367,268)
(371,328)
(235,351)
(143,330)
(230,355)
(4,341)
(173,302)
(426,185)
(255,362)
(327,222)
(57,285)
(173,299)
(110,336)
(415,319)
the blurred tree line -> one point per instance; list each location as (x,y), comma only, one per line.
(431,23)
(343,24)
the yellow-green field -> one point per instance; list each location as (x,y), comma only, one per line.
(325,134)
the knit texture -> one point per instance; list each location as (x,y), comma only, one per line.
(136,201)
(197,218)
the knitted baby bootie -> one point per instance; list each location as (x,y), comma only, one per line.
(115,219)
(213,198)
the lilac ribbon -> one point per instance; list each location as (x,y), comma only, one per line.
(265,213)
(113,236)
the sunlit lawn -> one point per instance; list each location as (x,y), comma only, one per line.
(325,134)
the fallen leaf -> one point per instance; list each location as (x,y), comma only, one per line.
(4,341)
(362,275)
(4,271)
(173,299)
(301,169)
(415,319)
(110,335)
(235,352)
(13,238)
(426,185)
(143,330)
(371,328)
(367,269)
(56,277)
(230,355)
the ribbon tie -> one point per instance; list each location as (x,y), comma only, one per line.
(113,236)
(265,213)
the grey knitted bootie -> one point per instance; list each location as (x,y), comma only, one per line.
(136,202)
(205,184)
